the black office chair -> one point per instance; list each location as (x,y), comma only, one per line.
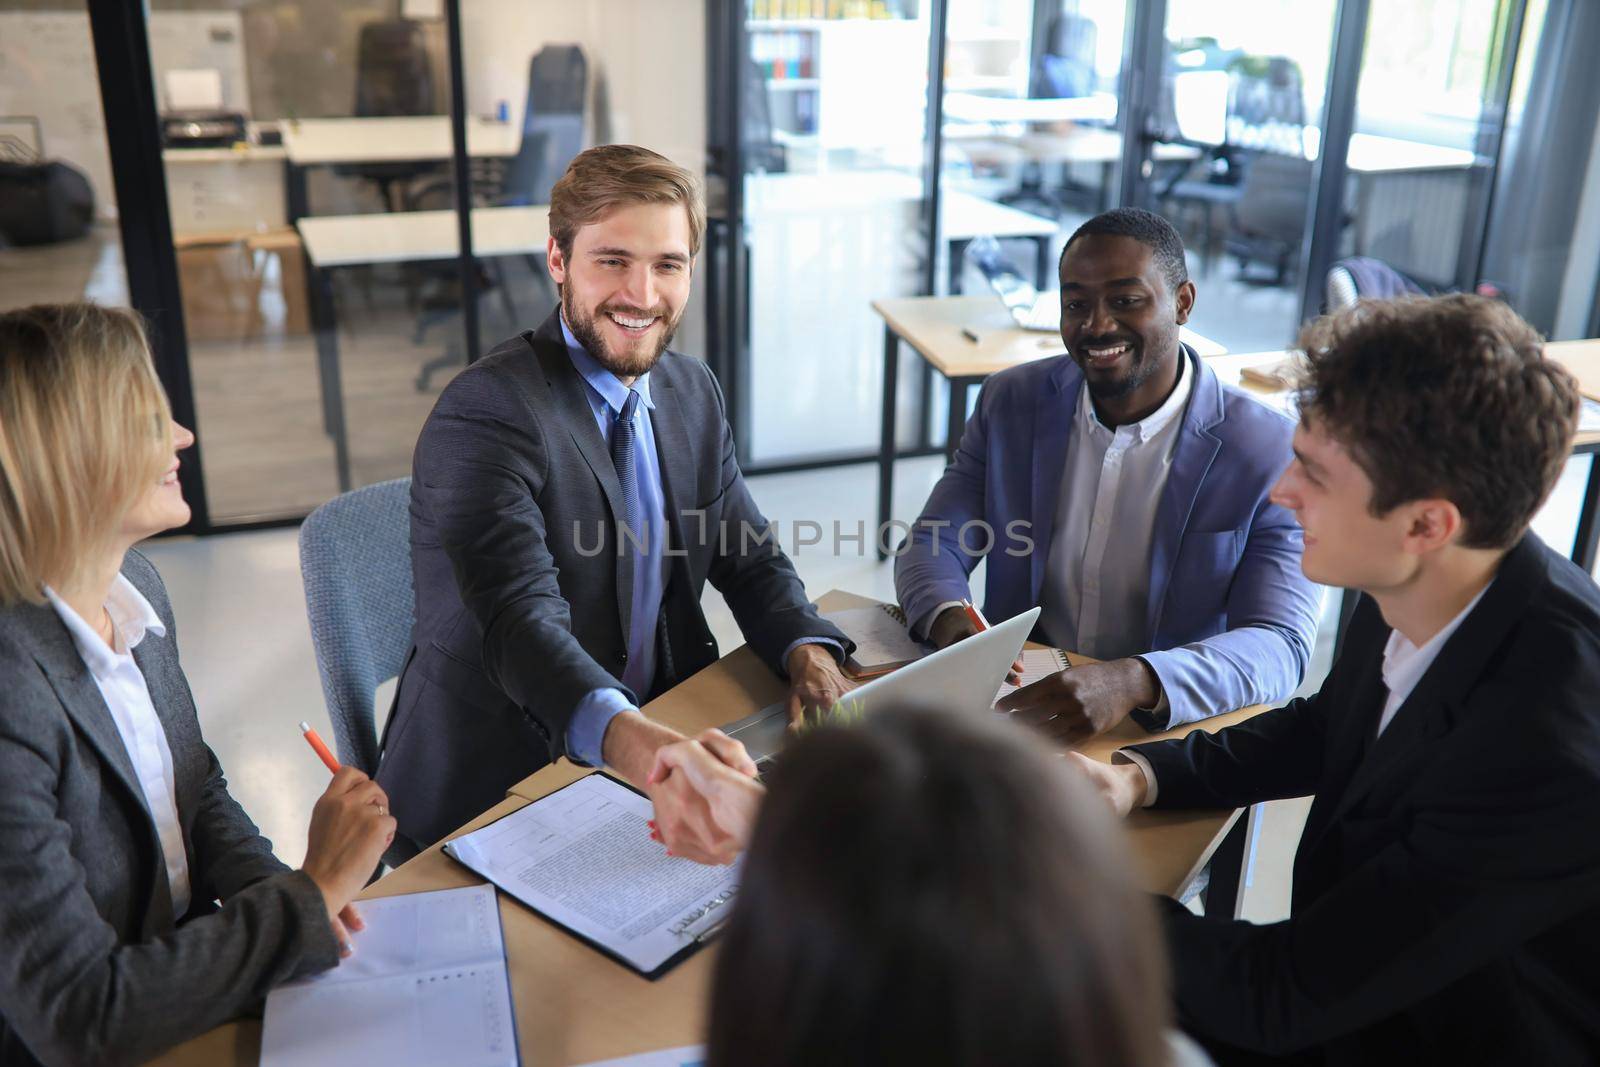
(1269,219)
(554,130)
(393,77)
(1265,116)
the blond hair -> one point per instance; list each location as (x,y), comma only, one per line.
(84,431)
(606,177)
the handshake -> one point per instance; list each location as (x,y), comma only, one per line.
(704,788)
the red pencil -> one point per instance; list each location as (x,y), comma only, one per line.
(974,615)
(321,749)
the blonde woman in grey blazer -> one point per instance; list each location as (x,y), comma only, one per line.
(139,905)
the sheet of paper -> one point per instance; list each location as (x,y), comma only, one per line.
(684,1056)
(583,857)
(1588,416)
(426,985)
(1037,663)
(194,90)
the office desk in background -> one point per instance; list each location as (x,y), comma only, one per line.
(932,326)
(1582,358)
(574,1005)
(334,241)
(311,143)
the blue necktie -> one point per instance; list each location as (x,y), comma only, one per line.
(623,436)
(635,541)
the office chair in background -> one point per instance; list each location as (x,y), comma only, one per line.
(393,77)
(1265,117)
(355,563)
(554,130)
(1364,278)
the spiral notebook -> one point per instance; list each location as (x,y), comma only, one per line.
(427,985)
(1037,663)
(882,639)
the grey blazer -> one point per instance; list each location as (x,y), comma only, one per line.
(94,966)
(522,598)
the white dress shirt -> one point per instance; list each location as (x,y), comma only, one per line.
(1404,664)
(1097,576)
(128,698)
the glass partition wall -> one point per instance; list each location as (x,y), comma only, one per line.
(832,192)
(307,152)
(309,296)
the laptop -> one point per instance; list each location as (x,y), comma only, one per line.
(1030,309)
(963,676)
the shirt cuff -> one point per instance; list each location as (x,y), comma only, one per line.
(922,631)
(833,646)
(1124,755)
(1158,717)
(586,733)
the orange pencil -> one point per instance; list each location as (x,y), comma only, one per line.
(974,615)
(321,749)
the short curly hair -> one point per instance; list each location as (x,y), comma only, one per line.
(1447,396)
(1146,227)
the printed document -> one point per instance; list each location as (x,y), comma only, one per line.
(426,985)
(582,857)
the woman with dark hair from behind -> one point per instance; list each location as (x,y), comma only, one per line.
(935,889)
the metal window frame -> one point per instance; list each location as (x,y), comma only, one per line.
(138,175)
(727,260)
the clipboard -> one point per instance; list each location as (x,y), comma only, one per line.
(471,855)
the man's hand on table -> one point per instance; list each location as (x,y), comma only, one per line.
(1075,705)
(952,625)
(1122,784)
(815,682)
(688,805)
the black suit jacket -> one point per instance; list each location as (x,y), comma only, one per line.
(1446,904)
(94,966)
(522,599)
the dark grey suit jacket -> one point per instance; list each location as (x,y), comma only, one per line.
(94,967)
(522,599)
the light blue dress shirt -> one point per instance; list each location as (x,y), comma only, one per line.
(587,730)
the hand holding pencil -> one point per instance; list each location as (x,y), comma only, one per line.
(350,829)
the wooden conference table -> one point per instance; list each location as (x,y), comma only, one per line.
(936,328)
(574,1005)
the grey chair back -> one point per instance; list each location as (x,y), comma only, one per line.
(355,561)
(554,123)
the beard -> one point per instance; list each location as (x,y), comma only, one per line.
(630,364)
(1140,368)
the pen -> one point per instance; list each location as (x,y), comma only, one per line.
(969,335)
(320,748)
(974,615)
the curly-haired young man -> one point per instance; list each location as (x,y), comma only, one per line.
(1446,900)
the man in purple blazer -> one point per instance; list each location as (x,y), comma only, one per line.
(1123,489)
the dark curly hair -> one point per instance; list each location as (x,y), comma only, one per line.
(1146,227)
(1447,396)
